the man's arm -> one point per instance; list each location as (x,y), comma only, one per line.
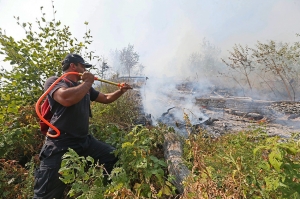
(72,95)
(111,97)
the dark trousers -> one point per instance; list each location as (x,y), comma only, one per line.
(47,184)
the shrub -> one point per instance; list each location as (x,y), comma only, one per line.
(140,171)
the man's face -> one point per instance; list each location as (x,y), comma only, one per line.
(80,68)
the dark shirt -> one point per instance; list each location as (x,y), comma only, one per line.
(72,121)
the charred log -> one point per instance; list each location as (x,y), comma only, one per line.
(210,121)
(173,156)
(167,112)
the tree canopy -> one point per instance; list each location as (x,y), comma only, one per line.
(33,59)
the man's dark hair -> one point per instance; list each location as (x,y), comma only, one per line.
(65,66)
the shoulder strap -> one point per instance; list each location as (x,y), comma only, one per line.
(68,82)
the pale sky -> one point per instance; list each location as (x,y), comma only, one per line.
(163,32)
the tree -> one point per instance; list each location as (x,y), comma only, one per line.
(277,59)
(33,59)
(240,61)
(272,65)
(204,63)
(102,69)
(129,58)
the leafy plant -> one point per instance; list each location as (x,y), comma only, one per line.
(120,114)
(33,59)
(282,165)
(85,176)
(146,171)
(20,139)
(139,172)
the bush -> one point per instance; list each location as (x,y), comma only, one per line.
(16,181)
(121,113)
(140,171)
(21,138)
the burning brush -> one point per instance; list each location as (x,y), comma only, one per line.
(175,118)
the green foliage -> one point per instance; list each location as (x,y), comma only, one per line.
(21,138)
(121,113)
(18,142)
(28,183)
(228,167)
(281,166)
(140,172)
(146,171)
(85,176)
(32,60)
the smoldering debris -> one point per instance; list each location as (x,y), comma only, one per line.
(186,107)
(182,120)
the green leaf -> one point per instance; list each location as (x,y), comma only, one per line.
(264,165)
(127,144)
(271,183)
(258,149)
(290,149)
(274,159)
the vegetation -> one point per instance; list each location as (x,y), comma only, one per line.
(122,112)
(270,67)
(36,58)
(237,165)
(140,172)
(242,165)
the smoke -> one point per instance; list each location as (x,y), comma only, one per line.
(171,98)
(177,84)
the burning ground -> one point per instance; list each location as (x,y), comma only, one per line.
(216,110)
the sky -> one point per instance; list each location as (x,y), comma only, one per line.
(164,32)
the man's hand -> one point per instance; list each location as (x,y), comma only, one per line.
(125,87)
(88,77)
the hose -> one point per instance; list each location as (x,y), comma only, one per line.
(37,106)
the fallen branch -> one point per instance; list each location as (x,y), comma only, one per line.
(173,156)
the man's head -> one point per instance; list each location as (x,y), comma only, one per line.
(75,59)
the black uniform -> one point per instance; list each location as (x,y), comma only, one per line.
(73,123)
